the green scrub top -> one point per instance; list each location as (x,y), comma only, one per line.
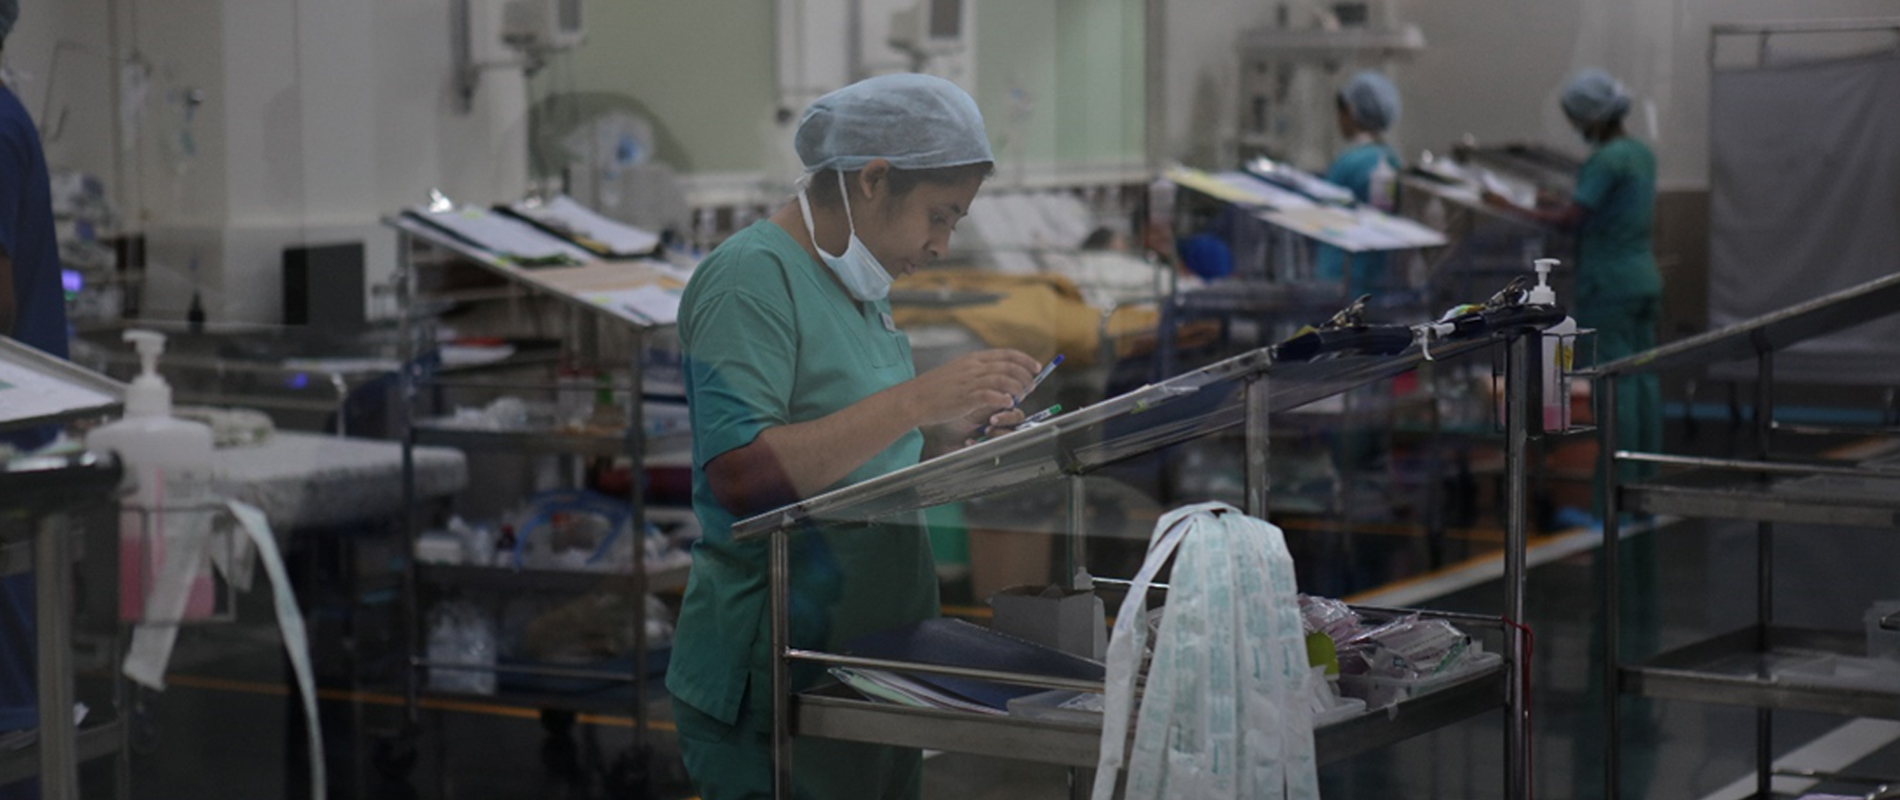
(770,338)
(1617,190)
(1353,170)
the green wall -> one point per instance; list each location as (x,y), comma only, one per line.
(702,73)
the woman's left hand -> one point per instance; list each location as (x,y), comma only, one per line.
(961,433)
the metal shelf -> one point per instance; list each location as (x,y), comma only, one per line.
(1717,494)
(837,713)
(1770,332)
(1731,669)
(544,441)
(92,743)
(545,580)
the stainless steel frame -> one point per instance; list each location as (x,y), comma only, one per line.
(1767,491)
(1243,392)
(632,442)
(50,489)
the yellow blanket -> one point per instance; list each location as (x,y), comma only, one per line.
(1041,315)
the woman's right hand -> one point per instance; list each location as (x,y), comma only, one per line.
(989,380)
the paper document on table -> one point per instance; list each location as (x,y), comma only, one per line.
(891,687)
(1238,187)
(27,393)
(651,303)
(1357,230)
(613,237)
(505,236)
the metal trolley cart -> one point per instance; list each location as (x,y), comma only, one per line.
(1241,392)
(588,292)
(1748,667)
(50,494)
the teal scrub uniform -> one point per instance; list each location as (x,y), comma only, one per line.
(770,338)
(1353,170)
(1619,293)
(1619,290)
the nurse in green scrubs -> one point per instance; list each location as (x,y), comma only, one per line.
(1619,289)
(798,382)
(1368,105)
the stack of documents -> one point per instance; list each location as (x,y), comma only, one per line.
(579,224)
(512,239)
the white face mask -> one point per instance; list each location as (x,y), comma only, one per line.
(862,276)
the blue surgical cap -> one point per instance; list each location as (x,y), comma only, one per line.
(1372,101)
(1593,96)
(9,13)
(912,121)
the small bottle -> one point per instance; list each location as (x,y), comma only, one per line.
(169,462)
(1160,210)
(1559,348)
(1383,188)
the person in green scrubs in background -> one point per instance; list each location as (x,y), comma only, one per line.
(1618,293)
(798,382)
(1619,289)
(1368,105)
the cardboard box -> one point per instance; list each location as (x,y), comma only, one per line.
(1072,621)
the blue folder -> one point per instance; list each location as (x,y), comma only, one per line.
(955,643)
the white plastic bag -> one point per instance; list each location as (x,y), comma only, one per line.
(1224,714)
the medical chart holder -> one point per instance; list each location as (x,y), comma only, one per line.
(1242,392)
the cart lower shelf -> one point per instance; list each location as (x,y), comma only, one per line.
(93,742)
(837,713)
(1870,502)
(1801,670)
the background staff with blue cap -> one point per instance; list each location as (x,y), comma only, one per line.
(1368,105)
(33,312)
(798,382)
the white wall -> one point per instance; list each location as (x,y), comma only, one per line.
(318,118)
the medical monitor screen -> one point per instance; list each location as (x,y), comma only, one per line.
(946,19)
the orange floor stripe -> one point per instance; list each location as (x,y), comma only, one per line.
(386,699)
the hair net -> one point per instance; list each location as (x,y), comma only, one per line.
(1372,101)
(912,121)
(1593,96)
(9,13)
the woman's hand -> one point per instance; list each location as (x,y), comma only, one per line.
(970,387)
(954,401)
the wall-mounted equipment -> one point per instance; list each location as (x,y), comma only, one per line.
(512,35)
(929,28)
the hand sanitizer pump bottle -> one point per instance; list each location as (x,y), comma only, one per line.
(1560,341)
(168,462)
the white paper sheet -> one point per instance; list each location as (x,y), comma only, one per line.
(26,393)
(652,303)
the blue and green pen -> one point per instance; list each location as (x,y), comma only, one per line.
(1039,416)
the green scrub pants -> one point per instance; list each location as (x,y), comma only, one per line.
(1625,326)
